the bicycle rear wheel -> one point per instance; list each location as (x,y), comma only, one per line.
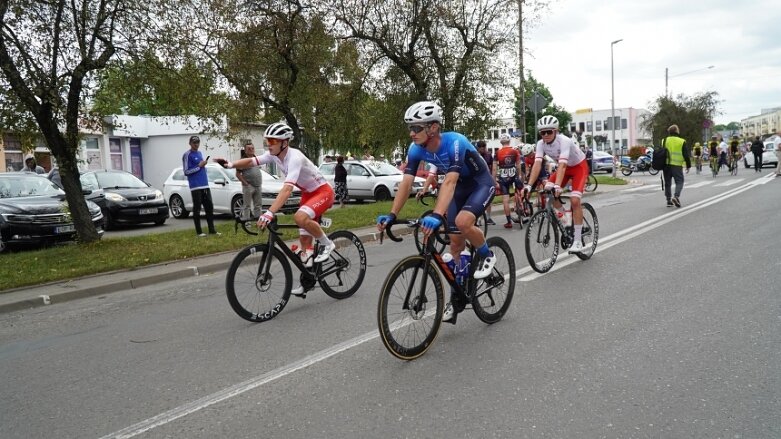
(254,294)
(408,318)
(590,232)
(542,242)
(342,273)
(493,294)
(591,183)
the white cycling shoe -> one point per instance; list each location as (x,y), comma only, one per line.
(577,247)
(485,266)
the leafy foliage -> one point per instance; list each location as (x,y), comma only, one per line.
(529,122)
(690,113)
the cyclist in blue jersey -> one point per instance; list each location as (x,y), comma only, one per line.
(466,192)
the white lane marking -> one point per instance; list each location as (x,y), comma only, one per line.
(634,231)
(729,182)
(700,184)
(238,389)
(763,180)
(641,188)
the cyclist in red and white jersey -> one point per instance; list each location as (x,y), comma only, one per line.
(317,196)
(572,165)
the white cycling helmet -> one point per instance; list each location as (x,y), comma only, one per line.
(423,112)
(504,138)
(527,149)
(548,122)
(278,131)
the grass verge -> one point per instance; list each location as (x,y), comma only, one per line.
(24,268)
(609,179)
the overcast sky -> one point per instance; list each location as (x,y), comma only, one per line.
(569,51)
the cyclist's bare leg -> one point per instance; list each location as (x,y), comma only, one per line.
(506,204)
(465,222)
(303,221)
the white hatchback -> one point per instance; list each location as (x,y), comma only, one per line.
(226,192)
(367,180)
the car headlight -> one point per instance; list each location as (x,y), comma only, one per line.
(111,196)
(158,195)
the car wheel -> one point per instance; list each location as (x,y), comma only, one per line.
(382,194)
(236,205)
(107,225)
(176,204)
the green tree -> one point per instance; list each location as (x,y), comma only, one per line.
(688,112)
(447,52)
(49,54)
(526,118)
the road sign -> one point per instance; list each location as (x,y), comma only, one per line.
(537,103)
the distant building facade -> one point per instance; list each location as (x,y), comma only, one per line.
(594,127)
(767,123)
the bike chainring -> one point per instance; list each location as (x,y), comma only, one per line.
(307,281)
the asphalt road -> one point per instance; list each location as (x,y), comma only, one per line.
(672,329)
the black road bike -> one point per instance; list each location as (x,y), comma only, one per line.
(546,234)
(412,299)
(260,279)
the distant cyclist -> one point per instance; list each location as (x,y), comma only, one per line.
(572,165)
(507,169)
(466,192)
(316,194)
(713,152)
(697,152)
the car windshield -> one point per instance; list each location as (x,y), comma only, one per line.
(27,186)
(382,169)
(118,180)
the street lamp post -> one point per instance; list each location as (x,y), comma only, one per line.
(666,76)
(613,106)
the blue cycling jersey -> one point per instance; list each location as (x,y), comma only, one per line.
(455,154)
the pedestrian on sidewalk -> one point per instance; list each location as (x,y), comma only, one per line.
(340,181)
(678,153)
(251,181)
(194,166)
(757,148)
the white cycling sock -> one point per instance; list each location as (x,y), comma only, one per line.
(578,231)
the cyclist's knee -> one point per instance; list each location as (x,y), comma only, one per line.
(575,202)
(301,218)
(465,220)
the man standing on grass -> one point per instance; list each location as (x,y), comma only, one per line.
(194,166)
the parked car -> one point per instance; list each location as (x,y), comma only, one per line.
(124,198)
(33,211)
(367,180)
(226,192)
(602,161)
(769,158)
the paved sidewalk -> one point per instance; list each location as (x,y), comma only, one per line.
(95,285)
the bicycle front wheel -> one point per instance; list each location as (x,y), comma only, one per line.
(591,183)
(542,242)
(255,294)
(409,315)
(482,222)
(342,274)
(493,294)
(590,232)
(653,171)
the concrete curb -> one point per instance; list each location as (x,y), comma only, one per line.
(124,280)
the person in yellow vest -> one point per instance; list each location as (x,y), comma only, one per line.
(678,153)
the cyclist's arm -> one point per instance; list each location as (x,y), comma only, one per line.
(446,191)
(282,196)
(562,168)
(430,179)
(402,194)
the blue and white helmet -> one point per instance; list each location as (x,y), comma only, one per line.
(423,112)
(278,131)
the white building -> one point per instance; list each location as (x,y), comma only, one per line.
(596,124)
(766,123)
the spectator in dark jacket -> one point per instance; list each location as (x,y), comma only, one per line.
(340,181)
(757,148)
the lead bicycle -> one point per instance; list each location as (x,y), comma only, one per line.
(546,233)
(259,279)
(442,239)
(409,312)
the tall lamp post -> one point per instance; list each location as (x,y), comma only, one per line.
(666,76)
(613,106)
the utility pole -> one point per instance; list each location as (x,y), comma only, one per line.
(520,57)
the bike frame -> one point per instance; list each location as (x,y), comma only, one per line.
(274,240)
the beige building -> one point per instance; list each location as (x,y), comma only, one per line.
(767,123)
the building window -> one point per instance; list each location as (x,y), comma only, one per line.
(115,149)
(589,126)
(496,134)
(599,125)
(93,153)
(623,124)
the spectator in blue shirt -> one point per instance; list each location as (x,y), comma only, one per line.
(194,164)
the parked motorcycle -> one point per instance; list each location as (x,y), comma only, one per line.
(642,164)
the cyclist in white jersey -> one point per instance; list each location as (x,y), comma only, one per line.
(572,165)
(317,196)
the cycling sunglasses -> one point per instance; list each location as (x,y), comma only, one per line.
(417,128)
(546,132)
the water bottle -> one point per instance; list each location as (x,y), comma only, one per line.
(463,266)
(447,258)
(567,217)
